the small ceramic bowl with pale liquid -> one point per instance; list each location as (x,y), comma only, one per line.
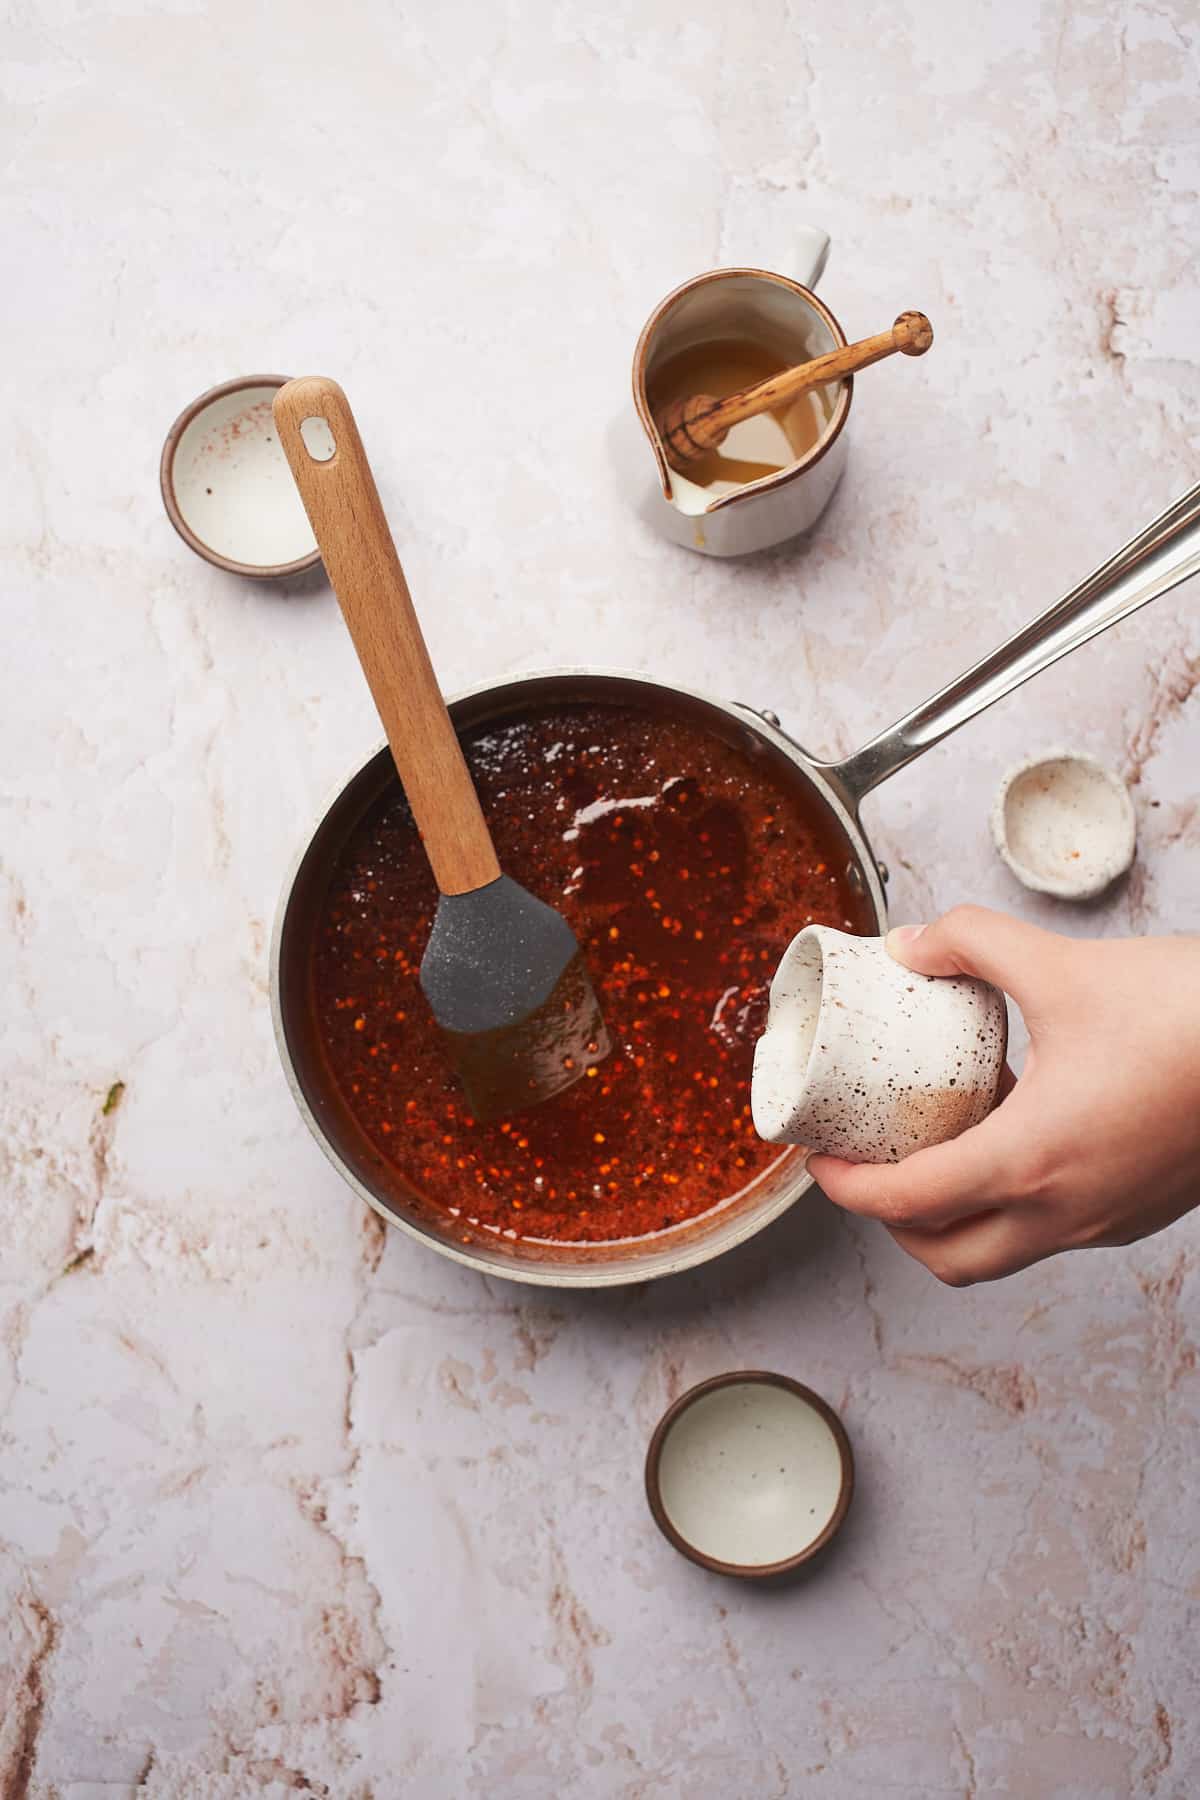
(227,486)
(749,1474)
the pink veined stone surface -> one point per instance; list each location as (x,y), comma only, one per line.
(286,1506)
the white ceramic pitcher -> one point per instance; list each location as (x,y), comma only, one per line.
(784,316)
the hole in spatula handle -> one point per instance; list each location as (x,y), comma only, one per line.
(318,439)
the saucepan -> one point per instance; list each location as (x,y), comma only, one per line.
(1160,557)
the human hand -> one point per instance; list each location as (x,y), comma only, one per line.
(1097,1143)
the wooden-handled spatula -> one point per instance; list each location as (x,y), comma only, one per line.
(503,972)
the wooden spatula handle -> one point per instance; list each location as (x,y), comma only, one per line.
(343,506)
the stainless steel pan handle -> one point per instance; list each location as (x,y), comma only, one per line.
(1158,559)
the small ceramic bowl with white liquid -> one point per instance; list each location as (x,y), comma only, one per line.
(227,486)
(749,1474)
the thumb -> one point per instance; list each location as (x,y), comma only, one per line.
(973,940)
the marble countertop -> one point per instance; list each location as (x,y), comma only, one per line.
(288,1505)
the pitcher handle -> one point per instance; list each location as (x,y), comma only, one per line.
(810,255)
(1151,564)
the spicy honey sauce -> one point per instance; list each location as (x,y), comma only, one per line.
(685,869)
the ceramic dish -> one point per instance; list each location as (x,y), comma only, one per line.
(749,1474)
(1064,824)
(863,1059)
(783,316)
(227,487)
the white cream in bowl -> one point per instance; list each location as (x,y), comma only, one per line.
(227,485)
(750,1474)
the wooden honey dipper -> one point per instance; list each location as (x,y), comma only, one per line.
(691,428)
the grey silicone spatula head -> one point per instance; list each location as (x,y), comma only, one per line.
(506,980)
(503,972)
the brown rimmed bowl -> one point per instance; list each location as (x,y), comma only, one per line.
(749,1474)
(227,486)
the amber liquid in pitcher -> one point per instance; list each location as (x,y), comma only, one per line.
(756,447)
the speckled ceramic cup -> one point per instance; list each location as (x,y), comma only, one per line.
(863,1059)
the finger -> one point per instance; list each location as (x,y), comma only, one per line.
(931,1188)
(985,1248)
(973,940)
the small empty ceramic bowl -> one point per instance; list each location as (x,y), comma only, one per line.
(865,1060)
(1064,824)
(227,486)
(749,1474)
